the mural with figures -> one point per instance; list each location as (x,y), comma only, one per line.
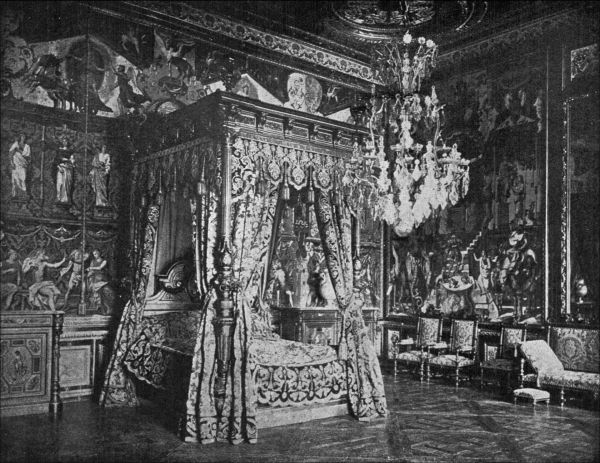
(43,269)
(56,175)
(126,69)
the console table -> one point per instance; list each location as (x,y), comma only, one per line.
(29,362)
(316,325)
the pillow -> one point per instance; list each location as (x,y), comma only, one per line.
(540,356)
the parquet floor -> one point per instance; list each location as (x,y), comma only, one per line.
(427,423)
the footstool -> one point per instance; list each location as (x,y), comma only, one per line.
(535,395)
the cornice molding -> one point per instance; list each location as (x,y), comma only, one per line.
(533,29)
(253,35)
(169,14)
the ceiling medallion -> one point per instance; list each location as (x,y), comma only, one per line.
(376,14)
(378,21)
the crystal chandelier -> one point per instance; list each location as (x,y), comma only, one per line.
(403,64)
(417,177)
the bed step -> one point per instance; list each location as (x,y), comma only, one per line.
(270,417)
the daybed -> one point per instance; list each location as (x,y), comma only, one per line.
(568,361)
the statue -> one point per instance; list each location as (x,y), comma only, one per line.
(278,292)
(64,164)
(99,176)
(20,157)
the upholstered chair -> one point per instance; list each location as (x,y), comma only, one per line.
(429,333)
(506,362)
(461,353)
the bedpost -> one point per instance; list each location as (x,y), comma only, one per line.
(223,321)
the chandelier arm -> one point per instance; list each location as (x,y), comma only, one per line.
(437,133)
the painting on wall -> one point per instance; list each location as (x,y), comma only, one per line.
(42,268)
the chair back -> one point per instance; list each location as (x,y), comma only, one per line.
(463,335)
(429,330)
(510,338)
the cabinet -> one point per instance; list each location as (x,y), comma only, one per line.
(29,362)
(82,353)
(316,325)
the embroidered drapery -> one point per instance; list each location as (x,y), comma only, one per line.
(173,169)
(253,218)
(118,388)
(366,394)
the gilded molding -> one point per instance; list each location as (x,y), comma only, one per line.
(320,56)
(533,30)
(252,35)
(564,215)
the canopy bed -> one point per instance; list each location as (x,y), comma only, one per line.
(208,190)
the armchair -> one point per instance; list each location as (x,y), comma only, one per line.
(506,361)
(429,333)
(462,350)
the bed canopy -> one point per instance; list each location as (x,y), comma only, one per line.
(208,188)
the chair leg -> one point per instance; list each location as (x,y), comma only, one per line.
(481,378)
(457,378)
(562,397)
(428,372)
(421,371)
(395,366)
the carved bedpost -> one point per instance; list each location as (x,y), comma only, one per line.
(223,321)
(355,240)
(55,407)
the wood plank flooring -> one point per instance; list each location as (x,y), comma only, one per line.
(427,423)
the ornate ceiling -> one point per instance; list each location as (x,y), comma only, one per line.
(353,27)
(331,41)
